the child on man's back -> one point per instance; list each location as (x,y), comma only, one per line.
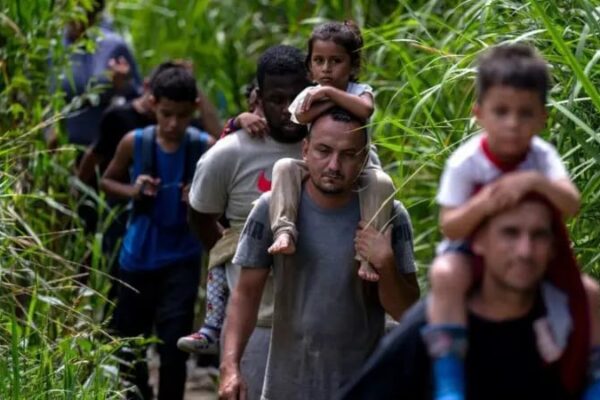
(206,339)
(491,171)
(334,63)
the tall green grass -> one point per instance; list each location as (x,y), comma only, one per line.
(419,56)
(423,59)
(53,338)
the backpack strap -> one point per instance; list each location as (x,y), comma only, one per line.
(144,204)
(149,151)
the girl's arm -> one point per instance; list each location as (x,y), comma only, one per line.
(253,122)
(361,106)
(313,112)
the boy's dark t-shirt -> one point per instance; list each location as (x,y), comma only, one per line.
(502,363)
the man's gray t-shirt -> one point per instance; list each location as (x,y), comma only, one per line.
(235,172)
(326,321)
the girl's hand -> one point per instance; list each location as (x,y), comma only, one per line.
(255,125)
(313,96)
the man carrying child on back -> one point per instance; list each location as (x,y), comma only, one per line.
(490,172)
(228,180)
(159,258)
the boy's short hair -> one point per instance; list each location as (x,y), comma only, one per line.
(160,68)
(173,81)
(280,60)
(516,65)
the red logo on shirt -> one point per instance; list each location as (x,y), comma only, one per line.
(263,184)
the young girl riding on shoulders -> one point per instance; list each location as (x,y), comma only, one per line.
(333,61)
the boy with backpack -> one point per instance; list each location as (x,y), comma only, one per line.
(160,258)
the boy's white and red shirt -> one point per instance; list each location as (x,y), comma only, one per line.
(473,166)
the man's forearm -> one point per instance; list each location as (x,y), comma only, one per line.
(206,227)
(242,313)
(397,292)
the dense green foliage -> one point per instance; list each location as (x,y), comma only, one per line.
(419,56)
(53,344)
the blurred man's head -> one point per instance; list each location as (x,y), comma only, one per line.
(516,246)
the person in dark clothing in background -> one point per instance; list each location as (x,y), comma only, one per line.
(109,68)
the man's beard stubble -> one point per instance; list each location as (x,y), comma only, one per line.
(279,135)
(325,190)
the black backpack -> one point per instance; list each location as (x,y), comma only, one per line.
(195,146)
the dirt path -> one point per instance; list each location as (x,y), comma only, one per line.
(201,383)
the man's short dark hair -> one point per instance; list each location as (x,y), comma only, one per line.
(280,60)
(173,82)
(515,65)
(342,115)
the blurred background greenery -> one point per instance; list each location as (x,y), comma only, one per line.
(419,57)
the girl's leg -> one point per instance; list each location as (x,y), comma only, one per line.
(206,339)
(288,174)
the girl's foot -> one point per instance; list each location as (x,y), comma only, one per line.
(283,244)
(199,342)
(367,272)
